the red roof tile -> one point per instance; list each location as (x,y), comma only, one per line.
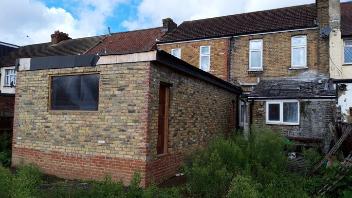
(129,42)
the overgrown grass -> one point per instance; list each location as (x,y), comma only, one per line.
(256,167)
(232,168)
(26,182)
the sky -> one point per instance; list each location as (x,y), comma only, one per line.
(24,22)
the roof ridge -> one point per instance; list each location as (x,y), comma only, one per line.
(253,12)
(138,30)
(102,35)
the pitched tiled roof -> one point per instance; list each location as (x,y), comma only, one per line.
(129,42)
(67,47)
(289,88)
(346,18)
(295,17)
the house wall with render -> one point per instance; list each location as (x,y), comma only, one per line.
(315,116)
(120,138)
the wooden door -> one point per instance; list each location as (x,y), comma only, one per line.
(163,125)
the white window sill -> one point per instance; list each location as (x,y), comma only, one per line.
(282,123)
(255,70)
(298,68)
(347,64)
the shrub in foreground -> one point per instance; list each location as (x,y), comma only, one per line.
(236,167)
(243,187)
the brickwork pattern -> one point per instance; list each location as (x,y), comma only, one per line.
(198,113)
(67,143)
(86,167)
(219,49)
(276,56)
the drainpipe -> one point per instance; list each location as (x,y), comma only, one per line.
(229,59)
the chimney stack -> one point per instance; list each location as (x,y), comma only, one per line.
(169,24)
(329,13)
(330,44)
(58,36)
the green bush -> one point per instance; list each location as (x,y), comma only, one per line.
(110,189)
(256,167)
(5,182)
(207,178)
(311,156)
(243,187)
(25,182)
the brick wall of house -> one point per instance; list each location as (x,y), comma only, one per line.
(190,53)
(198,113)
(7,105)
(315,117)
(65,143)
(276,56)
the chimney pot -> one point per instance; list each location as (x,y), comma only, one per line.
(169,24)
(58,36)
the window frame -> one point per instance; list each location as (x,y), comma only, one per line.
(305,64)
(344,47)
(175,49)
(71,74)
(201,55)
(256,50)
(6,75)
(281,103)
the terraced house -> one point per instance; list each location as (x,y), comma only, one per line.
(118,103)
(282,59)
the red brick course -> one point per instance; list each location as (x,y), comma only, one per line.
(163,168)
(83,167)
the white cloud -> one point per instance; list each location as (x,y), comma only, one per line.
(151,12)
(31,21)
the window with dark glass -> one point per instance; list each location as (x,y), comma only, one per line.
(282,112)
(75,92)
(274,112)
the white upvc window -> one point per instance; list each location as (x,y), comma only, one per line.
(347,52)
(256,55)
(176,52)
(299,52)
(204,58)
(10,77)
(285,112)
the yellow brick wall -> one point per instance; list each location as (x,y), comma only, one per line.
(190,53)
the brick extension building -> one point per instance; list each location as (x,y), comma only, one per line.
(276,44)
(139,112)
(121,107)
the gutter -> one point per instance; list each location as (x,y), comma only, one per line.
(292,98)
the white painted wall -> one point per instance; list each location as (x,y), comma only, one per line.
(345,102)
(3,89)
